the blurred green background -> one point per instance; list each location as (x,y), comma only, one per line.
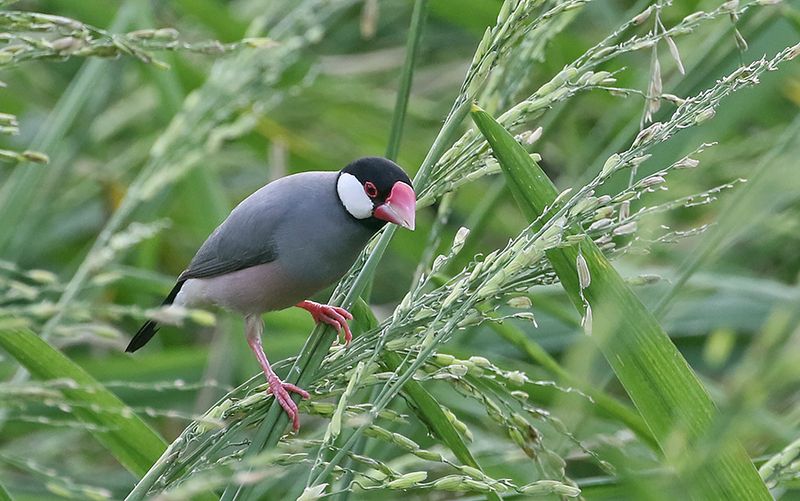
(98,120)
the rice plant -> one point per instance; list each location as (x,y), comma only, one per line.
(599,300)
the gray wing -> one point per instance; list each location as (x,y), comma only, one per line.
(246,237)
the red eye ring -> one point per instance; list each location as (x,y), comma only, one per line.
(370,189)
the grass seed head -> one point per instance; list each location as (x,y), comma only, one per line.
(460,238)
(313,492)
(584,278)
(586,321)
(704,115)
(625,229)
(686,163)
(522,302)
(408,480)
(600,224)
(451,483)
(610,165)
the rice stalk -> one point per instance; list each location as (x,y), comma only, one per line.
(450,292)
(491,407)
(32,35)
(630,357)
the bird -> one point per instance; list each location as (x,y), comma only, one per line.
(287,241)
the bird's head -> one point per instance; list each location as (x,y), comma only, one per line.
(376,191)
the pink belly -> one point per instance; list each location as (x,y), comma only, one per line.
(252,290)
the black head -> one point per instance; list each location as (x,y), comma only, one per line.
(375,191)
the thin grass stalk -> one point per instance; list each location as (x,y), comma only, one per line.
(785,459)
(403,92)
(605,403)
(4,495)
(659,381)
(431,413)
(478,220)
(434,238)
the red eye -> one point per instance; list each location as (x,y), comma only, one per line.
(370,189)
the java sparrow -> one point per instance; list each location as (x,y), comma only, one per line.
(287,241)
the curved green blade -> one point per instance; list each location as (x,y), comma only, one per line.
(129,439)
(665,390)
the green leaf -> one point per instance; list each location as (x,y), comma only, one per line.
(4,495)
(665,390)
(401,103)
(135,445)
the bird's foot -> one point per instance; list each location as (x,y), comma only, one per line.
(332,315)
(281,391)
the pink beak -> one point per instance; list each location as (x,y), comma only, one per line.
(400,207)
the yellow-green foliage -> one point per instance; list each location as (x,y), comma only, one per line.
(630,334)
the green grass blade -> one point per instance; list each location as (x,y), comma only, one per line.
(665,390)
(4,495)
(401,104)
(135,445)
(404,90)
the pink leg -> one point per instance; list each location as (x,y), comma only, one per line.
(332,315)
(278,388)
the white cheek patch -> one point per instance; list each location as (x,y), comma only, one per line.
(352,196)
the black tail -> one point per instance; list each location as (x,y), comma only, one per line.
(149,329)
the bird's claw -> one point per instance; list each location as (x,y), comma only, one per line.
(334,316)
(281,392)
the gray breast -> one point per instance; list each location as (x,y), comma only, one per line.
(315,242)
(320,240)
